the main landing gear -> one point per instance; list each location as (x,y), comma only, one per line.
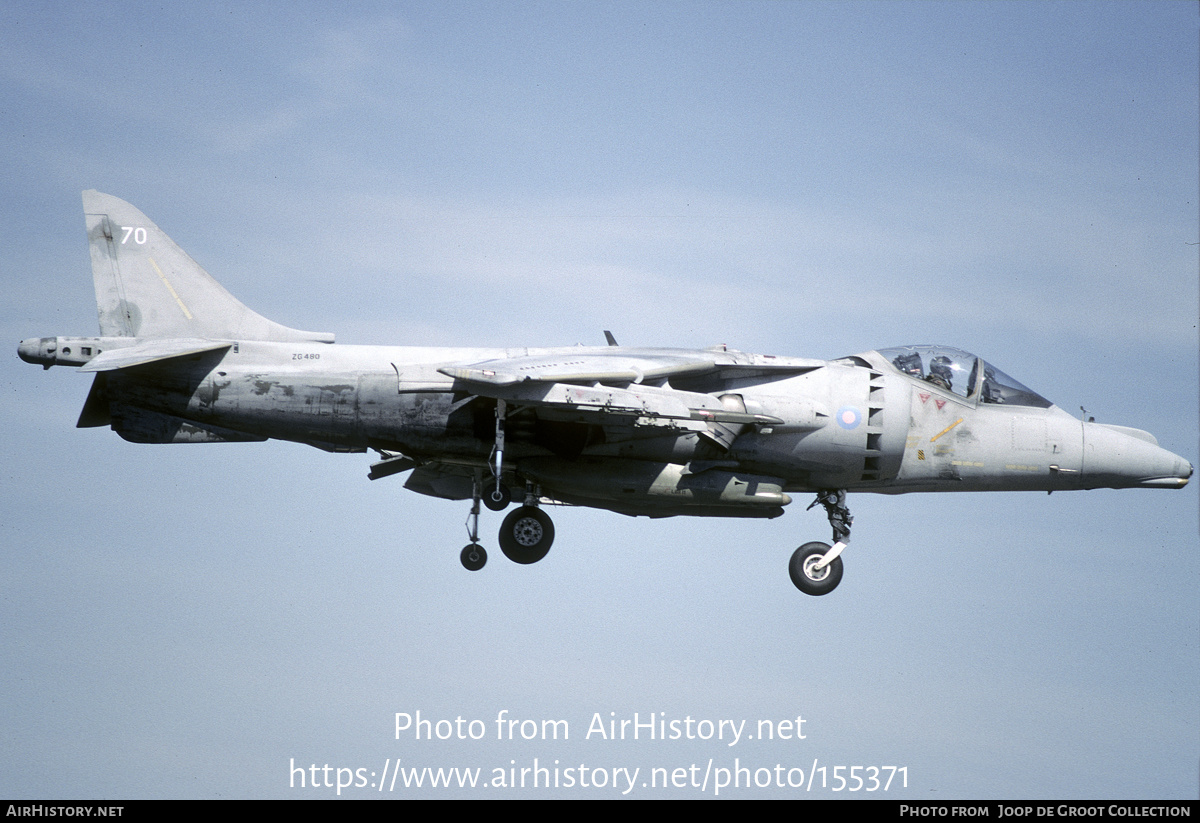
(525,536)
(527,533)
(816,568)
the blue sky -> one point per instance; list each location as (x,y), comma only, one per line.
(807,179)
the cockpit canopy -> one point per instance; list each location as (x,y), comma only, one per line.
(963,374)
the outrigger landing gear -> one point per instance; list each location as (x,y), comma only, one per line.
(474,556)
(816,568)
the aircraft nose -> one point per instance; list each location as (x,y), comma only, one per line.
(1177,480)
(1121,458)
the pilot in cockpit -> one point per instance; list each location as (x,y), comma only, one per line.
(945,364)
(910,364)
(940,373)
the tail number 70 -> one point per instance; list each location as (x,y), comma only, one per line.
(138,233)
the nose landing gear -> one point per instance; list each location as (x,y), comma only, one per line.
(816,568)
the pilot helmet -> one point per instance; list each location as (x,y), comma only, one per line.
(940,367)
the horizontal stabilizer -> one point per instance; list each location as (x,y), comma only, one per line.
(150,351)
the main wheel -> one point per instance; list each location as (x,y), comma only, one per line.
(473,557)
(526,535)
(496,499)
(809,579)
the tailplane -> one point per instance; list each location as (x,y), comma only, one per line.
(146,286)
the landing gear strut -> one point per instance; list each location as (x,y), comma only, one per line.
(474,556)
(816,568)
(498,498)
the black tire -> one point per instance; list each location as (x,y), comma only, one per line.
(494,503)
(808,581)
(473,557)
(526,535)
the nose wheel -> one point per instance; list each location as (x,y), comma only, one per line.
(807,573)
(816,568)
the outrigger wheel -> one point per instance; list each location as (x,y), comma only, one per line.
(526,535)
(473,557)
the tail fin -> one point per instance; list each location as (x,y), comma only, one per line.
(146,286)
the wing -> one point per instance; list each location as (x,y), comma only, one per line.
(584,367)
(150,351)
(602,385)
(628,393)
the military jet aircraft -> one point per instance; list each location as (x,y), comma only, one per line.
(638,431)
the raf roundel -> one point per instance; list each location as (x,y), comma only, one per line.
(849,417)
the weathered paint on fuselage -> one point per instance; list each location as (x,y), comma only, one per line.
(846,425)
(347,398)
(856,423)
